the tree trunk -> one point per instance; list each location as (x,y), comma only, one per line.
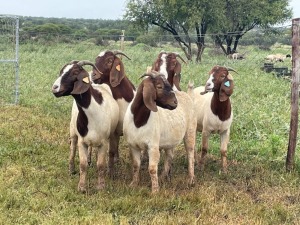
(200,42)
(219,42)
(236,42)
(228,44)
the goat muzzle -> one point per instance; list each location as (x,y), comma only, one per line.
(96,75)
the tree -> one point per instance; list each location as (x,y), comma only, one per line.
(176,17)
(241,16)
(189,21)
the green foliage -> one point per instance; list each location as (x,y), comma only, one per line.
(228,21)
(147,39)
(74,29)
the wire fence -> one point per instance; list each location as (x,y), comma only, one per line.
(9,59)
(253,47)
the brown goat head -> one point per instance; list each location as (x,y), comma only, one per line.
(157,91)
(73,79)
(221,82)
(111,66)
(168,64)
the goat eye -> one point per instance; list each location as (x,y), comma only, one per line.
(159,87)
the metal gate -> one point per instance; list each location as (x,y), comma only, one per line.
(9,59)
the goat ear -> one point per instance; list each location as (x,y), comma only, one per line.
(156,65)
(149,95)
(117,72)
(177,75)
(226,89)
(176,81)
(82,84)
(177,68)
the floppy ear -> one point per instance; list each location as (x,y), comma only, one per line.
(226,88)
(177,75)
(177,68)
(176,81)
(82,84)
(117,72)
(149,95)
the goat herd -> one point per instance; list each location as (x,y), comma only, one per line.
(157,115)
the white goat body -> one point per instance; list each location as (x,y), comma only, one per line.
(277,57)
(213,110)
(164,129)
(94,117)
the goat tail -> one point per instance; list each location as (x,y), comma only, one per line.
(190,87)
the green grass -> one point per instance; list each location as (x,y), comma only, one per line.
(35,187)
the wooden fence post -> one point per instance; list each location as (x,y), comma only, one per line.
(294,95)
(122,36)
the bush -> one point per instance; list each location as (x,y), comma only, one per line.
(147,39)
(100,42)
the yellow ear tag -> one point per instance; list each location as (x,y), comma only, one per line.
(118,67)
(86,80)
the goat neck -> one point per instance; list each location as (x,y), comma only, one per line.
(84,100)
(219,108)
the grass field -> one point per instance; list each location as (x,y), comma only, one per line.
(35,187)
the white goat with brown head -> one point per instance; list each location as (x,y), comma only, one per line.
(94,119)
(159,118)
(213,110)
(113,74)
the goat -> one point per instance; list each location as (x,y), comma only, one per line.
(159,118)
(167,64)
(74,138)
(95,119)
(113,74)
(213,110)
(277,57)
(236,56)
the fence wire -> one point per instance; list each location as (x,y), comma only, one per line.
(9,59)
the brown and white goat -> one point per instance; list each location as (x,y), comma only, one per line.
(95,119)
(213,110)
(159,118)
(167,64)
(113,74)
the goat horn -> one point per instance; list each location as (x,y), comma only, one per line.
(86,62)
(230,69)
(152,74)
(117,52)
(177,54)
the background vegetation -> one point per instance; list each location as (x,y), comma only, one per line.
(35,187)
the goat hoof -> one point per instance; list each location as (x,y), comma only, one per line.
(71,173)
(224,171)
(100,187)
(155,190)
(72,170)
(81,188)
(133,184)
(191,182)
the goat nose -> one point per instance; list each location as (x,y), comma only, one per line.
(54,88)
